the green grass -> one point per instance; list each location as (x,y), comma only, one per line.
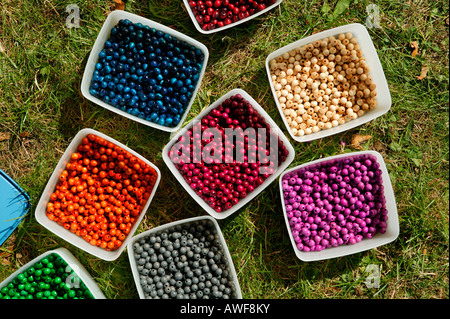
(41,108)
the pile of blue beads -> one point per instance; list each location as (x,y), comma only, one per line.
(147,73)
(184,262)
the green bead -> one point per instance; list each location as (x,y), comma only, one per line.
(44,260)
(56,281)
(47,293)
(30,278)
(4,290)
(39,295)
(72,293)
(21,287)
(23,292)
(47,271)
(50,265)
(39,265)
(21,277)
(12,292)
(41,285)
(38,273)
(31,270)
(28,287)
(10,285)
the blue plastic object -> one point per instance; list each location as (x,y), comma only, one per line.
(14,205)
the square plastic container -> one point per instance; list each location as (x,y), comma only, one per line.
(76,266)
(199,27)
(111,21)
(14,205)
(259,189)
(376,71)
(392,231)
(49,189)
(159,229)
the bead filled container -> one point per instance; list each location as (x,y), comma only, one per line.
(328,83)
(144,71)
(224,182)
(218,15)
(186,259)
(339,205)
(98,194)
(56,274)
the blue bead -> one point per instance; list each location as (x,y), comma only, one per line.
(161,121)
(169,121)
(98,66)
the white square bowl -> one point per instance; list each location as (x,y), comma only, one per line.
(166,227)
(392,230)
(65,234)
(111,21)
(257,190)
(376,71)
(74,264)
(199,27)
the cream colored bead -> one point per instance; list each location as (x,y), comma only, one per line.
(278,87)
(328,125)
(301,132)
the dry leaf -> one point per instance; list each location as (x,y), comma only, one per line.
(25,134)
(120,5)
(2,49)
(423,73)
(415,48)
(4,136)
(358,139)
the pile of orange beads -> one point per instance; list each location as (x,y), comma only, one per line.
(101,192)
